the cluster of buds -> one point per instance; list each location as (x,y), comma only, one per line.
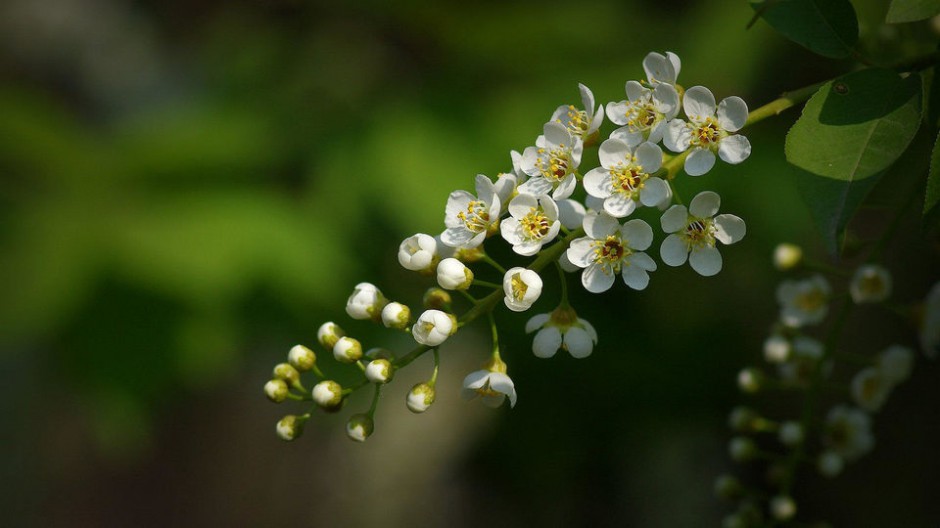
(545,209)
(796,361)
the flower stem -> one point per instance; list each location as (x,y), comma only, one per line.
(495,336)
(478,282)
(563,280)
(375,400)
(489,260)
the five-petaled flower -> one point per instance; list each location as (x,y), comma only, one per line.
(491,383)
(610,249)
(694,232)
(469,219)
(533,223)
(553,162)
(645,114)
(708,130)
(561,329)
(582,123)
(623,179)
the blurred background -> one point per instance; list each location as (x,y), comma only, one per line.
(189,188)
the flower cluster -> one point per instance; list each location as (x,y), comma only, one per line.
(545,209)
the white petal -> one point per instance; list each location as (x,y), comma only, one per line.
(475,380)
(457,236)
(581,252)
(637,234)
(677,136)
(546,342)
(666,100)
(595,280)
(674,252)
(527,248)
(578,342)
(597,183)
(649,156)
(699,162)
(589,328)
(628,136)
(511,230)
(456,203)
(659,69)
(619,206)
(529,161)
(587,98)
(566,187)
(596,121)
(550,207)
(706,261)
(536,186)
(654,191)
(600,226)
(698,102)
(613,152)
(729,228)
(732,113)
(674,219)
(734,149)
(676,62)
(642,261)
(570,213)
(536,322)
(557,134)
(635,91)
(705,204)
(635,277)
(486,191)
(523,203)
(617,112)
(566,264)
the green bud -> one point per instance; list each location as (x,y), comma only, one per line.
(276,390)
(359,427)
(302,358)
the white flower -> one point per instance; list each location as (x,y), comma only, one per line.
(782,507)
(930,324)
(776,349)
(896,363)
(610,249)
(434,327)
(645,113)
(870,284)
(328,394)
(787,256)
(301,357)
(420,398)
(848,432)
(366,302)
(662,68)
(379,371)
(347,350)
(507,183)
(470,218)
(803,302)
(522,288)
(289,427)
(561,329)
(534,222)
(581,123)
(418,252)
(359,427)
(491,383)
(708,131)
(870,389)
(623,179)
(552,162)
(454,275)
(694,232)
(276,390)
(396,315)
(328,333)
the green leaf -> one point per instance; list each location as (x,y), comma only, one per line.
(856,126)
(933,180)
(826,27)
(831,203)
(911,10)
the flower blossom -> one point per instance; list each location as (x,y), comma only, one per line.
(491,383)
(610,249)
(533,222)
(366,302)
(581,123)
(645,114)
(695,231)
(419,252)
(434,327)
(662,69)
(870,284)
(552,163)
(522,288)
(708,130)
(469,219)
(623,179)
(803,302)
(848,433)
(561,330)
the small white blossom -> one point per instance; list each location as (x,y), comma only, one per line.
(561,329)
(870,284)
(695,231)
(623,179)
(645,113)
(787,256)
(661,68)
(896,363)
(930,324)
(454,275)
(750,380)
(848,432)
(522,288)
(396,315)
(709,129)
(581,123)
(782,507)
(552,163)
(419,252)
(433,327)
(420,398)
(776,349)
(491,383)
(610,249)
(469,219)
(533,223)
(507,183)
(803,302)
(328,333)
(870,389)
(366,302)
(359,427)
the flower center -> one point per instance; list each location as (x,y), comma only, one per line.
(554,164)
(628,180)
(707,133)
(535,224)
(519,287)
(699,232)
(641,115)
(610,253)
(810,301)
(578,121)
(476,217)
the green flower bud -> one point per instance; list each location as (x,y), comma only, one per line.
(286,372)
(359,427)
(347,350)
(328,395)
(276,390)
(302,358)
(290,427)
(420,398)
(379,371)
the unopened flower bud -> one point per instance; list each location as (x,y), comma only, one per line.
(437,299)
(829,464)
(328,334)
(787,256)
(790,434)
(347,350)
(742,449)
(728,487)
(742,419)
(366,302)
(433,327)
(302,358)
(286,372)
(420,398)
(776,349)
(276,390)
(454,275)
(522,287)
(782,508)
(396,315)
(750,380)
(328,395)
(359,427)
(290,427)
(379,371)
